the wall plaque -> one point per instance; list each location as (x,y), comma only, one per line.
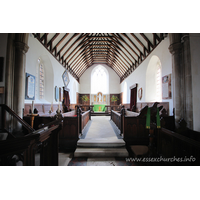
(60,94)
(65,77)
(166,87)
(56,93)
(30,87)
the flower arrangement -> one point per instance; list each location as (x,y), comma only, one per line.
(114,98)
(85,98)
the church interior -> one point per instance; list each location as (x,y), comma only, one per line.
(99,99)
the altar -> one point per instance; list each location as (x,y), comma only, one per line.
(99,107)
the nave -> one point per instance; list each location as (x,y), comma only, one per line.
(101,145)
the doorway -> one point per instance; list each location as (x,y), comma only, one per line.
(133,96)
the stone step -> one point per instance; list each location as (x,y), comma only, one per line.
(100,152)
(101,142)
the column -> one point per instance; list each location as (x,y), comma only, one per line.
(19,77)
(175,49)
(187,81)
(9,73)
(181,77)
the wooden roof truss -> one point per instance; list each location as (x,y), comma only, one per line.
(123,52)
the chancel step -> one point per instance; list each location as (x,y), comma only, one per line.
(101,152)
(100,142)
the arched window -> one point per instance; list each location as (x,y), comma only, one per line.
(153,80)
(44,86)
(158,83)
(41,80)
(99,80)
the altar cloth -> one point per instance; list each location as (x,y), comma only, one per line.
(99,108)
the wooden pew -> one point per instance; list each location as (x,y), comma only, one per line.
(116,117)
(73,124)
(132,126)
(85,117)
(174,145)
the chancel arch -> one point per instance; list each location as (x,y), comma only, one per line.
(153,80)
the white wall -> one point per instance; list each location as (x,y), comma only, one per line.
(53,69)
(85,80)
(139,74)
(195,66)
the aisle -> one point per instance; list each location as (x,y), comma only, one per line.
(101,141)
(101,129)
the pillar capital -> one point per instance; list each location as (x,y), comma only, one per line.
(175,48)
(21,46)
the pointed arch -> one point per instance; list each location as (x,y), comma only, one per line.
(153,80)
(99,80)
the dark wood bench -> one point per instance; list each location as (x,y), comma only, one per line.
(74,123)
(174,145)
(132,126)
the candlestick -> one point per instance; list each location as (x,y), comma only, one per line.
(59,106)
(32,106)
(52,106)
(43,108)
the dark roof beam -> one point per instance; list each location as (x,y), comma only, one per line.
(145,49)
(80,37)
(82,52)
(121,39)
(148,42)
(75,34)
(124,47)
(141,54)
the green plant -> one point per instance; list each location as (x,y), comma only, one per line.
(114,98)
(85,98)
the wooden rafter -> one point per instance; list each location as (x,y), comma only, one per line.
(120,51)
(72,44)
(81,37)
(51,41)
(148,41)
(144,48)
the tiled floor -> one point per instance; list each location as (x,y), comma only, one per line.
(68,160)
